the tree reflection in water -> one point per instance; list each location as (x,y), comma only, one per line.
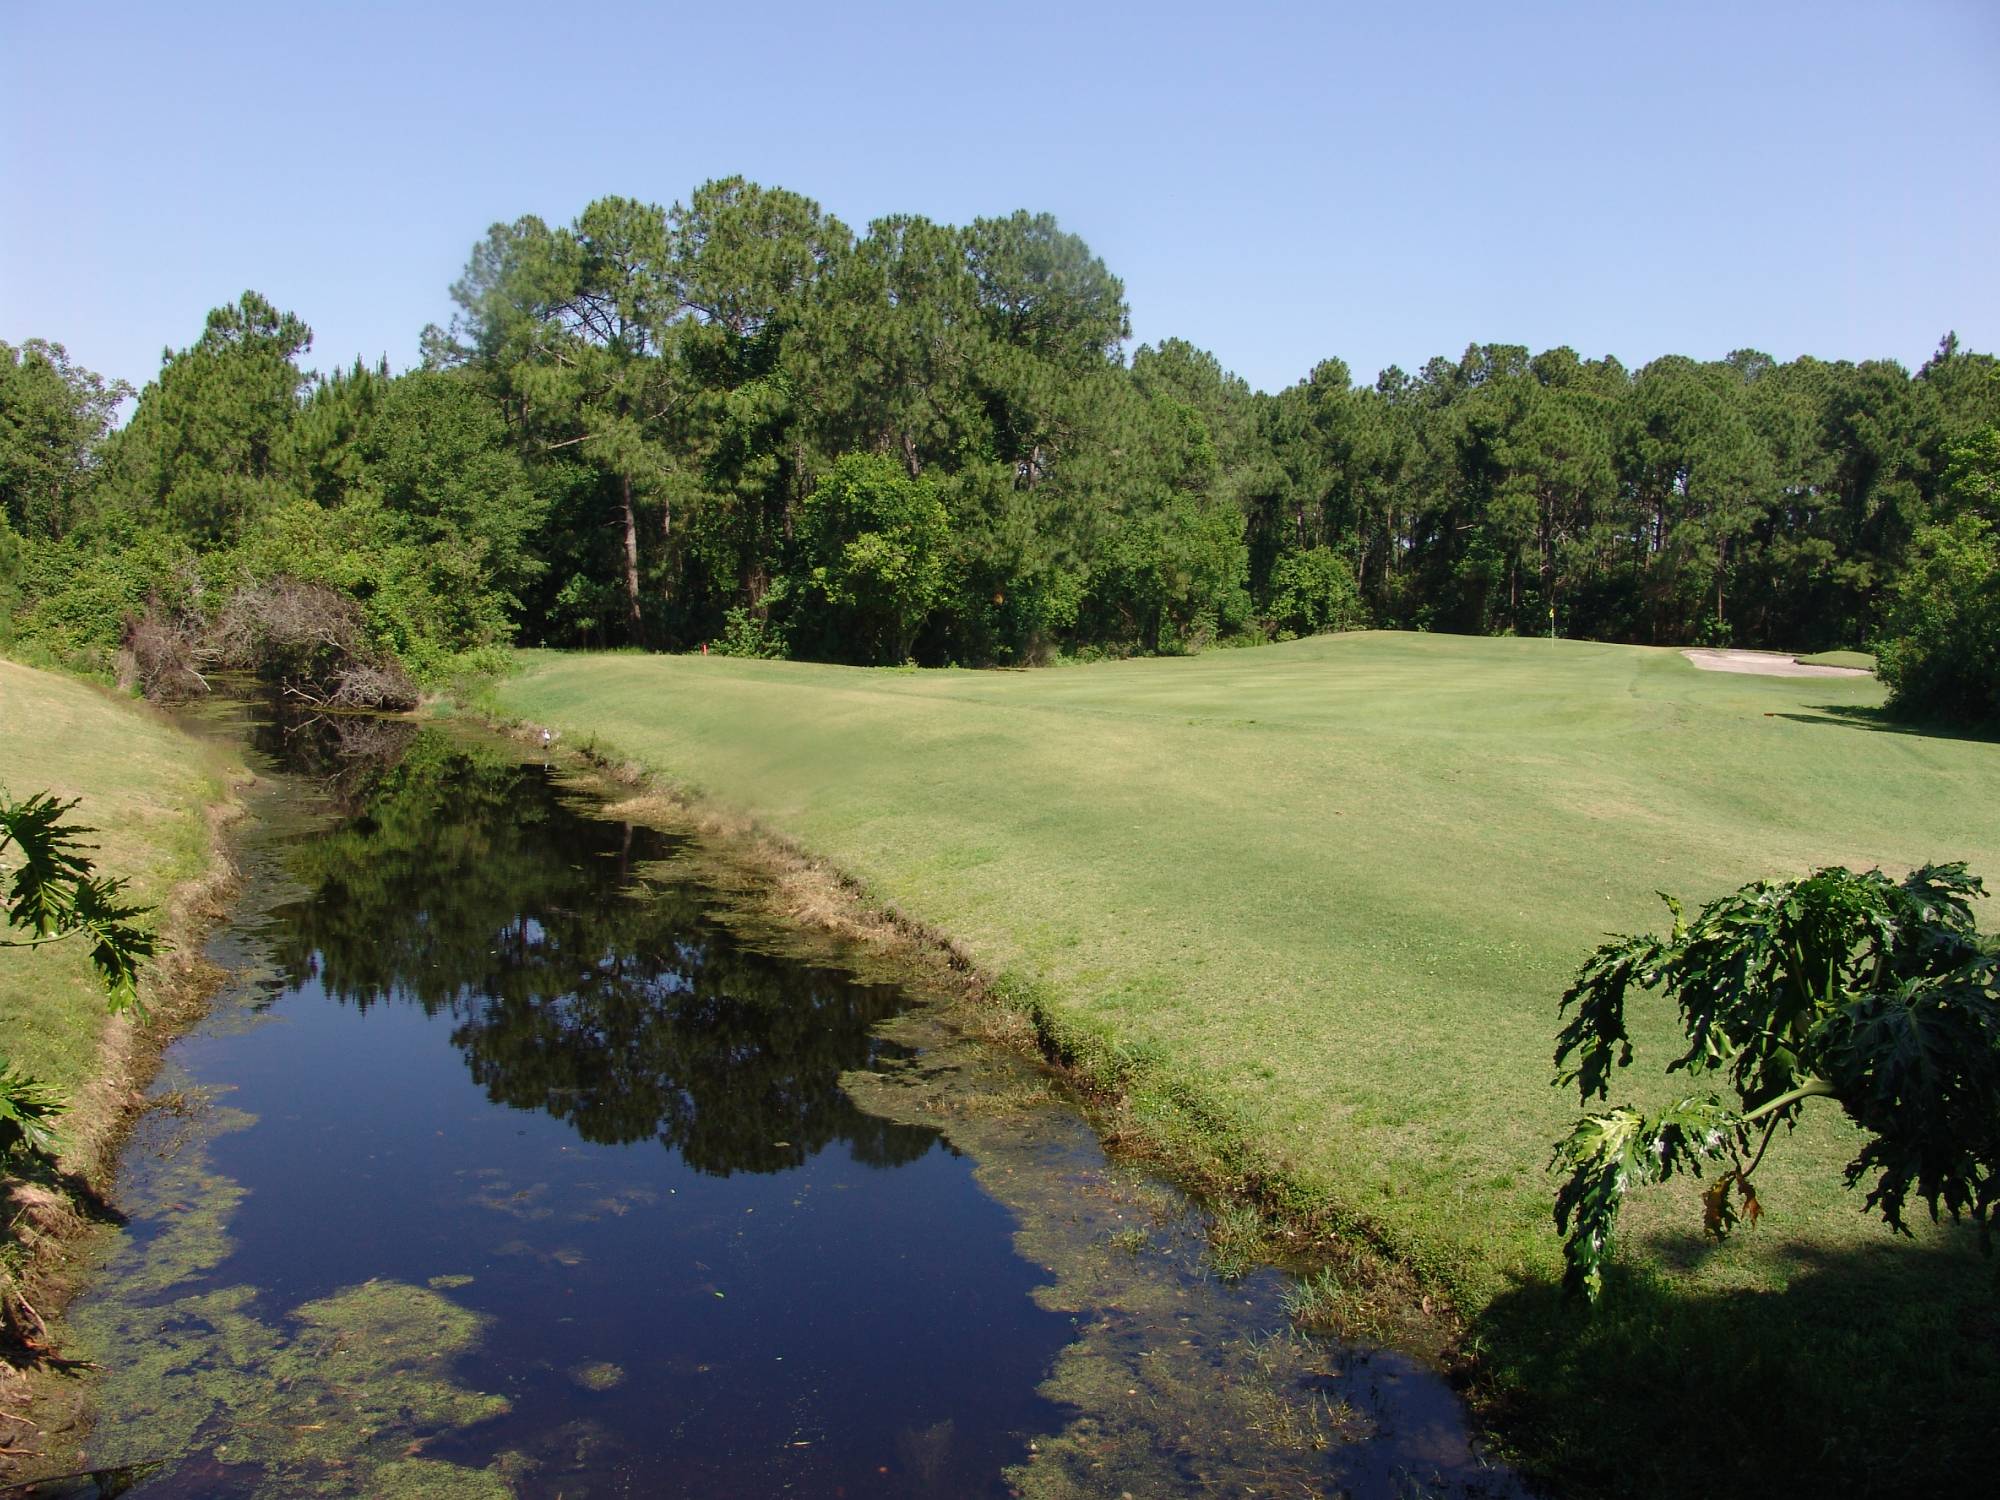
(341,755)
(465,883)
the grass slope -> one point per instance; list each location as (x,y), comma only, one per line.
(143,787)
(1331,890)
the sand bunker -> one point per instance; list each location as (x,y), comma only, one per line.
(1766,664)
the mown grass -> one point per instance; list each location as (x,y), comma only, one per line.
(142,786)
(1861,659)
(1322,898)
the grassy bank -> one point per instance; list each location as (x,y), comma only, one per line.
(1317,902)
(147,791)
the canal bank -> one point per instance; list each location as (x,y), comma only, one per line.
(160,807)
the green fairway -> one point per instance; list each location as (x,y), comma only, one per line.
(1333,889)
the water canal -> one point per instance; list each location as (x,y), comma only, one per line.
(521,1156)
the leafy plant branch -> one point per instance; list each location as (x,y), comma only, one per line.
(51,893)
(54,894)
(1875,993)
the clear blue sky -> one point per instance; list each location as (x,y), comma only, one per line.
(1276,183)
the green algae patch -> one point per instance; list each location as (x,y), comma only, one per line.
(426,1479)
(385,1326)
(334,1397)
(324,1400)
(1171,1388)
(1238,1416)
(183,1200)
(599,1375)
(448,1283)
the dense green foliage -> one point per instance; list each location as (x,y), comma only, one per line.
(53,421)
(405,497)
(875,539)
(1871,992)
(1940,653)
(627,433)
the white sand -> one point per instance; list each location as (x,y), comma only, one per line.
(1766,664)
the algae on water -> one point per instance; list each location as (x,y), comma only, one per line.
(334,1397)
(1167,1388)
(186,1205)
(598,1375)
(426,1479)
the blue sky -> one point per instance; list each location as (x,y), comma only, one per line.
(1278,184)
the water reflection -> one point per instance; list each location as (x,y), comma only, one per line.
(576,985)
(342,756)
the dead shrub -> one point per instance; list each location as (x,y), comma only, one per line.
(163,647)
(373,685)
(311,642)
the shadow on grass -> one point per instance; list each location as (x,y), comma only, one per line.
(72,1190)
(1876,1371)
(1855,716)
(39,1202)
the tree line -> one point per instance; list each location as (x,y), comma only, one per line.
(736,423)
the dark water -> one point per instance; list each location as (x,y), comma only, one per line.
(510,1166)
